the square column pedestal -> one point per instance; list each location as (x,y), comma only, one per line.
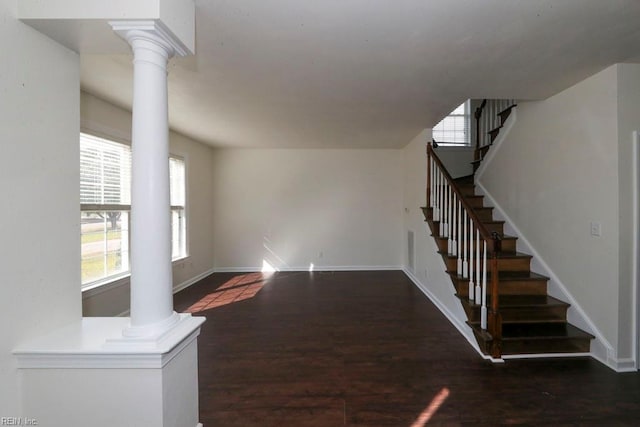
(87,374)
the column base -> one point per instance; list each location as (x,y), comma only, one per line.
(88,374)
(156,336)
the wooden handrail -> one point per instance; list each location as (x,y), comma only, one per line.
(484,231)
(478,115)
(493,318)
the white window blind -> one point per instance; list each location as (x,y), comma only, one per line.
(105,171)
(105,202)
(177,179)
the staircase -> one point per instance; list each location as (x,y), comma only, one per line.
(490,117)
(519,316)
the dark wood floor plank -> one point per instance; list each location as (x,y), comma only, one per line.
(369,349)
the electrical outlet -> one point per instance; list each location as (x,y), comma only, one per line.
(596,228)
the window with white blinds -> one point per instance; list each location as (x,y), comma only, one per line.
(454,129)
(105,204)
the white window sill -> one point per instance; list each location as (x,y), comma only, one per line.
(106,285)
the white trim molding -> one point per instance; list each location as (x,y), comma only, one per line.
(462,327)
(97,343)
(191,281)
(157,29)
(635,194)
(254,269)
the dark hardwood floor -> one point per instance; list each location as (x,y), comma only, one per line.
(369,349)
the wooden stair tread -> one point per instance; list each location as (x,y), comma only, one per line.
(466,178)
(519,275)
(535,331)
(510,255)
(500,255)
(517,301)
(542,330)
(535,338)
(508,275)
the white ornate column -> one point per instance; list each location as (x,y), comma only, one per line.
(146,366)
(151,276)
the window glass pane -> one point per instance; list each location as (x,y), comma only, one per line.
(105,179)
(177,179)
(104,244)
(454,129)
(178,233)
(461,109)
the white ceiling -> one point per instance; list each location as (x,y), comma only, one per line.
(370,73)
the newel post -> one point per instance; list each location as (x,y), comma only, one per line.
(495,319)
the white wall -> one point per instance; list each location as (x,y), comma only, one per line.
(104,119)
(555,173)
(457,160)
(429,273)
(39,175)
(293,208)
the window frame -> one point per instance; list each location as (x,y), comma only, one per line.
(467,127)
(121,278)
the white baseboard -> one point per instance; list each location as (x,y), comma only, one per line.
(545,356)
(462,327)
(191,281)
(177,288)
(625,365)
(254,269)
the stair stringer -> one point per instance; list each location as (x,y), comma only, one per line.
(453,311)
(601,348)
(495,145)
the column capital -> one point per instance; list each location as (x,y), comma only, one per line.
(152,31)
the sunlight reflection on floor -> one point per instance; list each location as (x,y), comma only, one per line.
(237,289)
(430,410)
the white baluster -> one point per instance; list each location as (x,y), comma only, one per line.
(446,209)
(471,284)
(465,249)
(459,240)
(434,186)
(454,230)
(440,204)
(431,192)
(436,209)
(449,221)
(483,309)
(478,255)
